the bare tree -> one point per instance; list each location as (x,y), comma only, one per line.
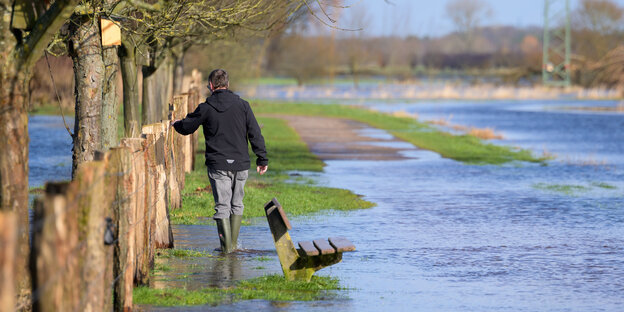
(85,48)
(467,16)
(597,28)
(359,20)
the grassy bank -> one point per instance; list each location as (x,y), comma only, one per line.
(270,287)
(464,148)
(298,195)
(52,109)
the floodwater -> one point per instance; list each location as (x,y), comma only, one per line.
(50,150)
(447,236)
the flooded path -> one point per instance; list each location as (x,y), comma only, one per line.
(446,236)
(336,138)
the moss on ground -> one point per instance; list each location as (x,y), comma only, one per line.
(271,287)
(287,152)
(464,148)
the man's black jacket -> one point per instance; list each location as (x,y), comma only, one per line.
(228,122)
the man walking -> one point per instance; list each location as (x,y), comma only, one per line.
(228,124)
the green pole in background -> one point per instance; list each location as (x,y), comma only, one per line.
(557,43)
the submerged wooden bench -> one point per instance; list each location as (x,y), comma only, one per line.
(300,264)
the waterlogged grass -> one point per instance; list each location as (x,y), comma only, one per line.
(287,152)
(572,189)
(181,253)
(567,189)
(604,185)
(464,148)
(271,287)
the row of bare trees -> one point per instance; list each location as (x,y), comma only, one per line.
(305,53)
(154,37)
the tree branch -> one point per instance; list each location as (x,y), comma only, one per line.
(46,26)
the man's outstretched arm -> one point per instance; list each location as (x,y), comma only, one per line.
(191,122)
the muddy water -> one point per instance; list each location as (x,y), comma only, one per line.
(452,237)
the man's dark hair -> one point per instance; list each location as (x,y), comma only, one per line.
(219,78)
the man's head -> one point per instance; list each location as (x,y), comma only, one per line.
(218,79)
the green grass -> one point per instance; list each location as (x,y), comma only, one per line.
(571,189)
(464,148)
(52,109)
(161,267)
(271,287)
(181,253)
(567,189)
(604,185)
(286,152)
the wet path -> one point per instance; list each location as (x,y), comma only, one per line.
(336,138)
(452,237)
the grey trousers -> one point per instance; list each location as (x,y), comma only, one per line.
(228,189)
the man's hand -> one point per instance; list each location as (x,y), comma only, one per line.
(262,169)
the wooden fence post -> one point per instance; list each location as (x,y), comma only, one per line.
(8,260)
(120,166)
(94,193)
(54,257)
(181,143)
(141,215)
(155,136)
(193,102)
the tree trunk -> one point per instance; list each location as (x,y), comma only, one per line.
(157,90)
(178,72)
(14,157)
(110,105)
(86,53)
(150,103)
(130,78)
(17,57)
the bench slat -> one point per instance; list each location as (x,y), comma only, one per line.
(324,247)
(308,248)
(341,244)
(274,203)
(284,218)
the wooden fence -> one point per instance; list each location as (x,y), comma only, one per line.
(94,238)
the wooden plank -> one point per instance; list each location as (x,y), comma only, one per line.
(309,249)
(280,211)
(273,202)
(324,247)
(282,214)
(341,244)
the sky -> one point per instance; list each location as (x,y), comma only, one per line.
(429,17)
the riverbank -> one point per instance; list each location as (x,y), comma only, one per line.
(426,90)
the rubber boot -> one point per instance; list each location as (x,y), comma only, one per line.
(235,224)
(225,234)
